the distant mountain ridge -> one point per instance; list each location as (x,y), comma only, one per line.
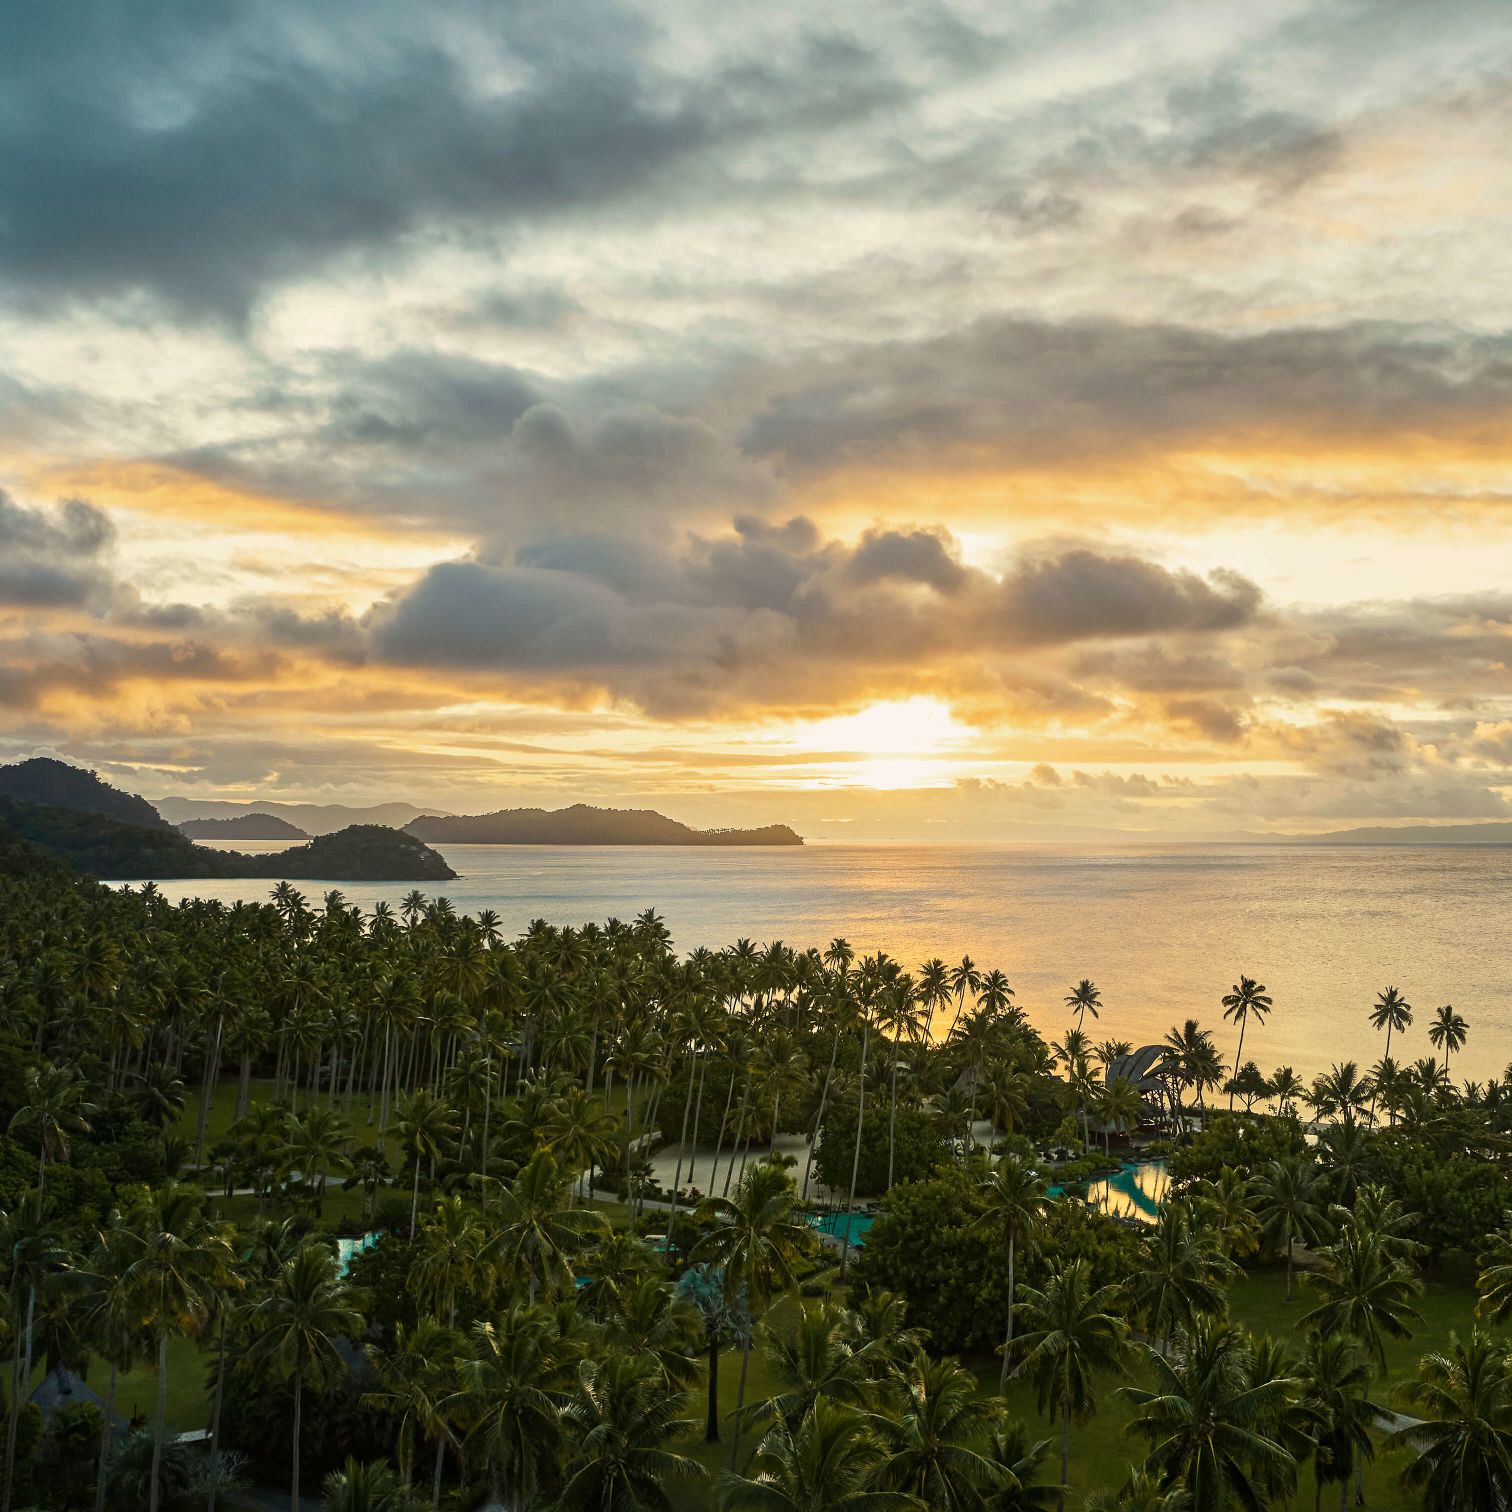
(242,827)
(311,818)
(581,824)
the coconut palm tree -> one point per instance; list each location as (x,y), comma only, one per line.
(1463,1445)
(416,1378)
(359,1487)
(756,1238)
(1119,1107)
(1289,1201)
(1185,1273)
(56,1107)
(1017,1463)
(1016,1201)
(1340,1092)
(1245,1000)
(828,1461)
(1494,1281)
(513,1388)
(1075,1331)
(624,1423)
(1206,1417)
(296,1328)
(1287,1089)
(425,1126)
(1448,1032)
(1367,1291)
(1391,1012)
(536,1234)
(1334,1382)
(818,1358)
(1084,998)
(934,1426)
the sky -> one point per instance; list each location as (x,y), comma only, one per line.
(942,421)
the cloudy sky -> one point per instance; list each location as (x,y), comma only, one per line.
(933,420)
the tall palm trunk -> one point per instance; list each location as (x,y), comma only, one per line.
(107,1427)
(845,1240)
(740,1123)
(215,1416)
(1065,1451)
(724,1123)
(1238,1058)
(892,1116)
(682,1139)
(10,1430)
(745,1365)
(162,1418)
(298,1422)
(1008,1335)
(711,1421)
(808,1165)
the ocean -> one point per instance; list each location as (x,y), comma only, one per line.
(1163,931)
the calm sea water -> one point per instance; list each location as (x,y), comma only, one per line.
(1162,931)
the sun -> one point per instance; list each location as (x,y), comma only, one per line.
(896,743)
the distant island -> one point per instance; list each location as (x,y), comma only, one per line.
(243,827)
(1493,833)
(77,828)
(582,825)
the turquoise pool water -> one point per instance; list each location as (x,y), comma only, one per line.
(348,1249)
(851,1226)
(1136,1190)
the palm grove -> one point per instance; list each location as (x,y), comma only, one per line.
(200,1098)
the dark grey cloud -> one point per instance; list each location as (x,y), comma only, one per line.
(54,558)
(1014,390)
(204,154)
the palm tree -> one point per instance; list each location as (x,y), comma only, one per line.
(315,1144)
(55,1109)
(1334,1377)
(1016,1199)
(1119,1106)
(817,1360)
(1367,1291)
(450,1258)
(1074,1332)
(513,1389)
(1286,1087)
(425,1125)
(1083,999)
(1448,1032)
(1464,1443)
(1206,1418)
(177,1258)
(624,1422)
(1391,1011)
(359,1487)
(536,1235)
(1017,1465)
(936,1434)
(1494,1281)
(757,1238)
(1340,1092)
(1244,1001)
(1289,1204)
(415,1377)
(112,1327)
(296,1328)
(1184,1276)
(825,1462)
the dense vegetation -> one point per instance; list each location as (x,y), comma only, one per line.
(44,780)
(242,827)
(197,1099)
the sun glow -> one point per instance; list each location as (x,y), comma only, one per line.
(898,743)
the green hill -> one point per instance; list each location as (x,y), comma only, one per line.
(90,843)
(43,780)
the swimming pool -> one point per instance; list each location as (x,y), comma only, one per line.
(1136,1190)
(347,1250)
(851,1226)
